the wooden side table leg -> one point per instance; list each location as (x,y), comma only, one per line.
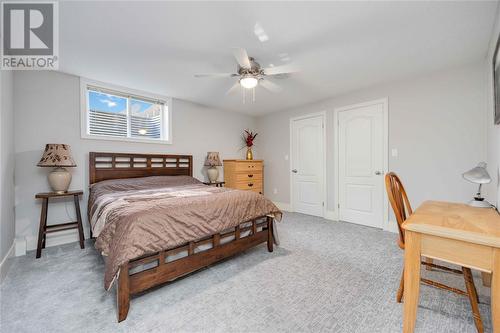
(42,228)
(79,220)
(411,280)
(495,291)
(44,240)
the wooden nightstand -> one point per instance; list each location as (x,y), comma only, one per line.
(217,184)
(45,229)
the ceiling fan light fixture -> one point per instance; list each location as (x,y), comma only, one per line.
(249,82)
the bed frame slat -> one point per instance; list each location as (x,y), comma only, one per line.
(166,272)
(100,171)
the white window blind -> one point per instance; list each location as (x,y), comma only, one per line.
(117,114)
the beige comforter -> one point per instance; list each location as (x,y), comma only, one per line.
(135,217)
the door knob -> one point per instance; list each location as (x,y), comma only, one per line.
(378,173)
(294,170)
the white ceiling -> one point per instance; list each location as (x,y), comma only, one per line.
(339,46)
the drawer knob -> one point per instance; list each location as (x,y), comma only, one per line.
(250,176)
(250,184)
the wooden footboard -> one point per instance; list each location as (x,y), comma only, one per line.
(167,271)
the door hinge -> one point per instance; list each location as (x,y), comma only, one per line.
(338,205)
(323,204)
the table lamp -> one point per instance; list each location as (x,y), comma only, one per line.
(58,156)
(213,161)
(478,175)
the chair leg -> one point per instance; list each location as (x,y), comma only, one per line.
(429,261)
(401,288)
(475,290)
(472,293)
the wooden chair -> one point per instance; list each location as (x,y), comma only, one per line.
(402,209)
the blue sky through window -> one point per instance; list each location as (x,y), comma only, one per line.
(107,103)
(137,106)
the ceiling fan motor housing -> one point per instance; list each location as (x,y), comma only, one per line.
(254,69)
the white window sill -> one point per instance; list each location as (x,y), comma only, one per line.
(121,139)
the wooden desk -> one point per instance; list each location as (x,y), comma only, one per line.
(455,233)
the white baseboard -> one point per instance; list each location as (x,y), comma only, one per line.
(392,227)
(283,206)
(331,215)
(20,249)
(5,264)
(29,243)
(62,237)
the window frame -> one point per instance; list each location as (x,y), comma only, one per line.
(85,84)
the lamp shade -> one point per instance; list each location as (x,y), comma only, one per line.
(57,155)
(478,174)
(213,159)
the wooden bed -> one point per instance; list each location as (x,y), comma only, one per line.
(105,166)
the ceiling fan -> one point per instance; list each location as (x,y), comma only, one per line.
(250,74)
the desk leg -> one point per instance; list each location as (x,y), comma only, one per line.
(412,280)
(495,291)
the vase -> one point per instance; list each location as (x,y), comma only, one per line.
(213,174)
(249,153)
(59,180)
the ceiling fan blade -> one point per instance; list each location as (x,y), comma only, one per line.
(216,75)
(271,86)
(241,56)
(285,69)
(235,87)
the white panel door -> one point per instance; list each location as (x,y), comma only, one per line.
(308,165)
(361,176)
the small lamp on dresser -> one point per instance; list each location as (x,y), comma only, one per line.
(58,156)
(213,161)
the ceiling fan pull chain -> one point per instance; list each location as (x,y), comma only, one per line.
(253,95)
(244,96)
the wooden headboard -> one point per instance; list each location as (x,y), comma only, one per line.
(104,166)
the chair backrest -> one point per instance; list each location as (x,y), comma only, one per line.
(399,202)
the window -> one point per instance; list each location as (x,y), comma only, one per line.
(115,113)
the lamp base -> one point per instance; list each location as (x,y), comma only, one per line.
(213,174)
(59,180)
(479,203)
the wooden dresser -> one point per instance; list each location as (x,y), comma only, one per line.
(244,175)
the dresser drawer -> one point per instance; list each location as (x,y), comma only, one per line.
(257,190)
(248,166)
(248,185)
(248,176)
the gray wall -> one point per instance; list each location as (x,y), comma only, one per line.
(493,131)
(436,122)
(7,225)
(47,106)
